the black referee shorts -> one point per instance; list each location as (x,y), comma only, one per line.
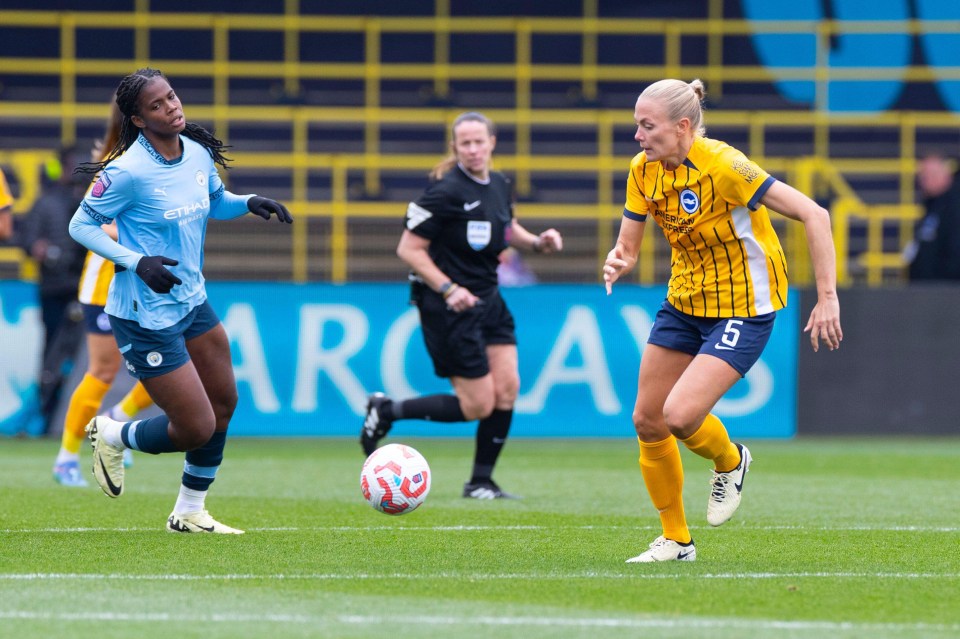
(457,342)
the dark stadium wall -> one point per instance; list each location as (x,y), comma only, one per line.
(896,369)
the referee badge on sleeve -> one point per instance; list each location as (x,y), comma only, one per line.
(478,234)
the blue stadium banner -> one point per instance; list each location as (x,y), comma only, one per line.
(307,356)
(21,346)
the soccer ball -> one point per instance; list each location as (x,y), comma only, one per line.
(395,479)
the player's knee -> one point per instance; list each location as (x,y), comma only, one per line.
(679,422)
(477,407)
(193,431)
(195,438)
(506,392)
(103,370)
(225,406)
(646,425)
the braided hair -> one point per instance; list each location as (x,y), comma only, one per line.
(128,94)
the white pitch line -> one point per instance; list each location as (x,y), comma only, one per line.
(430,529)
(36,576)
(423,620)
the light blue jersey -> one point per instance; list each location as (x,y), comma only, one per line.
(161,208)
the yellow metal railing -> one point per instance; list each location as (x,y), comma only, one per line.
(817,177)
(822,176)
(372,70)
(605,124)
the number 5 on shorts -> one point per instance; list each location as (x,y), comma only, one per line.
(731,334)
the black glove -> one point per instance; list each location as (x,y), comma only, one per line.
(264,206)
(151,271)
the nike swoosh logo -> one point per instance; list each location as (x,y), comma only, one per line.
(684,555)
(471,205)
(160,191)
(106,475)
(723,348)
(739,486)
(179,526)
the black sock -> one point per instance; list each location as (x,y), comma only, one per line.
(491,436)
(432,408)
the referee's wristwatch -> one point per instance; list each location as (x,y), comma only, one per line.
(447,288)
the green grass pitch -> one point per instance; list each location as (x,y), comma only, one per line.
(834,538)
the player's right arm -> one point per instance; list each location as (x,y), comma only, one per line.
(101,205)
(415,251)
(423,223)
(6,208)
(623,256)
(108,197)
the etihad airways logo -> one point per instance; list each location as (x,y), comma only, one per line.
(187,210)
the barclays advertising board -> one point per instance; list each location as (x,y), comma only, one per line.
(307,356)
(21,343)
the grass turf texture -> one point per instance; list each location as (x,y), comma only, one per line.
(839,538)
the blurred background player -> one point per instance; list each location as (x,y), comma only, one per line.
(6,208)
(728,280)
(513,270)
(453,236)
(934,253)
(168,332)
(43,235)
(103,358)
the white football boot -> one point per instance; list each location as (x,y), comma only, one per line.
(663,549)
(198,522)
(107,459)
(725,489)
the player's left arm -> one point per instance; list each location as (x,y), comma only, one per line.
(225,205)
(6,209)
(549,241)
(6,223)
(824,322)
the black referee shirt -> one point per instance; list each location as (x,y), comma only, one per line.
(468,225)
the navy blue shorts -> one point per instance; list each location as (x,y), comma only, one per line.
(95,320)
(739,341)
(457,342)
(151,353)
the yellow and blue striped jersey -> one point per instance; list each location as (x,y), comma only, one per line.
(96,276)
(95,280)
(6,198)
(727,260)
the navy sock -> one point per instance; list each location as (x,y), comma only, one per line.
(491,436)
(201,465)
(432,408)
(150,435)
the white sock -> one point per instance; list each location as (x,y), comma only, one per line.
(65,456)
(117,413)
(189,500)
(110,432)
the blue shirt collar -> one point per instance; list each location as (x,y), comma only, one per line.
(145,143)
